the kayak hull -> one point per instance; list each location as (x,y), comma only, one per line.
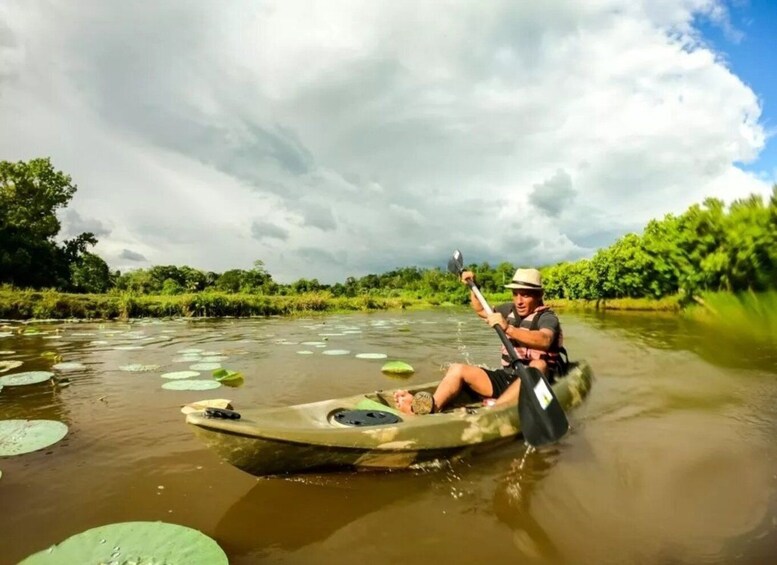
(307,437)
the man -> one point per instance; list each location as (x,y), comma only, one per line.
(532,328)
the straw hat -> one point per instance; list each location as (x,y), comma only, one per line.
(528,279)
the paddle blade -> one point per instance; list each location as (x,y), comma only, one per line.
(456,263)
(543,420)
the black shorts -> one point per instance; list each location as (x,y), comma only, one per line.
(500,380)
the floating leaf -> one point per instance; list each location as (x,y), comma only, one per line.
(69,366)
(397,368)
(127,347)
(304,352)
(138,368)
(336,352)
(201,405)
(1,388)
(8,365)
(371,355)
(6,334)
(228,378)
(214,358)
(28,378)
(200,384)
(24,436)
(134,542)
(180,375)
(7,352)
(314,343)
(205,366)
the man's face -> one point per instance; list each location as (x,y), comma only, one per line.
(526,301)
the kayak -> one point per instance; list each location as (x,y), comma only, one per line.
(365,430)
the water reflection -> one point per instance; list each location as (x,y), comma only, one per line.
(513,504)
(288,514)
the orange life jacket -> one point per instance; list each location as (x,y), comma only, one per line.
(525,354)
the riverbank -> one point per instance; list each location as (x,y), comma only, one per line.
(18,304)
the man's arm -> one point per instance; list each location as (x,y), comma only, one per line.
(540,339)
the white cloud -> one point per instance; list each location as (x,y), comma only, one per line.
(340,138)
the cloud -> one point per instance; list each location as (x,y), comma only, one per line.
(131,255)
(262,230)
(552,195)
(385,134)
(74,225)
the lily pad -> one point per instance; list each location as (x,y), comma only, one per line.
(228,378)
(24,436)
(304,352)
(8,365)
(205,366)
(134,542)
(193,384)
(28,378)
(127,347)
(138,368)
(180,375)
(69,366)
(397,368)
(371,355)
(336,352)
(214,358)
(201,405)
(7,352)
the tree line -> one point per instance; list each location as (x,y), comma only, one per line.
(710,247)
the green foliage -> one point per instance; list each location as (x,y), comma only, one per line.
(30,195)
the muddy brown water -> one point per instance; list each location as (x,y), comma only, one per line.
(672,459)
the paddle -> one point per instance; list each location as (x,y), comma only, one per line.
(542,418)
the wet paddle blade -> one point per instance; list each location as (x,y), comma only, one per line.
(456,263)
(542,418)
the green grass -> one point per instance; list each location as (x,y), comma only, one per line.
(749,314)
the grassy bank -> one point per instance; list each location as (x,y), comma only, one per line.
(30,304)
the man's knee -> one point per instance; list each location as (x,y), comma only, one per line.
(540,364)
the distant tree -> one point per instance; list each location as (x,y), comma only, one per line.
(89,273)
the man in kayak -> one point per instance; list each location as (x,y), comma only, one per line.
(534,331)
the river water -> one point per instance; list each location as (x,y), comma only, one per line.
(671,459)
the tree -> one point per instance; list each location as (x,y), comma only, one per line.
(89,273)
(30,195)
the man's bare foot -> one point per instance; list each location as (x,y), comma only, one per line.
(404,401)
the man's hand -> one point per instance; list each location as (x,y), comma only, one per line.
(467,276)
(496,319)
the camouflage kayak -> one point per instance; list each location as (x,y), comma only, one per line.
(365,430)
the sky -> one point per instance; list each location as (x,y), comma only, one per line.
(338,138)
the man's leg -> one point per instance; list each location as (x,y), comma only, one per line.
(510,396)
(457,376)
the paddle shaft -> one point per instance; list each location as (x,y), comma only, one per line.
(500,332)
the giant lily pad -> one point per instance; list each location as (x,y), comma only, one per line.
(371,355)
(397,368)
(134,542)
(8,365)
(192,384)
(205,366)
(177,375)
(24,436)
(28,378)
(69,366)
(336,352)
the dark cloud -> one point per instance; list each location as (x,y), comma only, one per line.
(266,230)
(131,255)
(74,224)
(554,194)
